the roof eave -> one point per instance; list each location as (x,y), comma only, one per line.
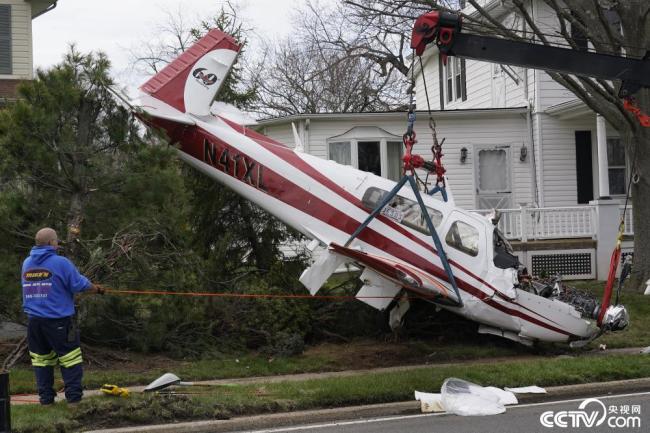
(480,112)
(40,7)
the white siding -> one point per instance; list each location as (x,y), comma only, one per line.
(464,130)
(21,35)
(282,133)
(432,81)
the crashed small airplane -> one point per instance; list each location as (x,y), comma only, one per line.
(405,242)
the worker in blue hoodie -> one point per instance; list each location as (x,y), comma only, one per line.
(50,283)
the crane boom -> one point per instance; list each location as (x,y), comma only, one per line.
(445,29)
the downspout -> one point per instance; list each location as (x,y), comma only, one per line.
(533,172)
(305,141)
(531,135)
(46,10)
(537,108)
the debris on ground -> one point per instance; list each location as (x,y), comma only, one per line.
(429,402)
(114,390)
(527,390)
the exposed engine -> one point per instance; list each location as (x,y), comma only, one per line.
(616,317)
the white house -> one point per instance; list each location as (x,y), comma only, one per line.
(16,60)
(514,140)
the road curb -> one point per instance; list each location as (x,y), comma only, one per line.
(287,419)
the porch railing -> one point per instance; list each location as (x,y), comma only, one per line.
(547,223)
(629,221)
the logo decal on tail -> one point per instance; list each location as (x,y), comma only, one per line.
(202,77)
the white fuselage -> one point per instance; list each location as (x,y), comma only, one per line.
(323,200)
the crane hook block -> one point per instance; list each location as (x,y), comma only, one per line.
(432,26)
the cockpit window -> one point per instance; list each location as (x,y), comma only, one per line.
(463,237)
(500,241)
(504,256)
(402,210)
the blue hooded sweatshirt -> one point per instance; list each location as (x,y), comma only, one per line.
(49,284)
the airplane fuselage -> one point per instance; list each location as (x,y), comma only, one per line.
(327,201)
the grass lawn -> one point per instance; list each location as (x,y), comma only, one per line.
(224,402)
(321,359)
(334,358)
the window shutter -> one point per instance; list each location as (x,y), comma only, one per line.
(463,79)
(5,40)
(441,82)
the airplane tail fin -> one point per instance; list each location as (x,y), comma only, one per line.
(190,83)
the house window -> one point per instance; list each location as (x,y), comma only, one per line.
(369,149)
(403,210)
(455,86)
(616,161)
(5,40)
(448,77)
(458,78)
(369,156)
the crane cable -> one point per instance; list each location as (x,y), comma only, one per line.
(415,161)
(436,147)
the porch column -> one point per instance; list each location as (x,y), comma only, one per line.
(603,165)
(608,215)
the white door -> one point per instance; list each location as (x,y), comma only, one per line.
(493,177)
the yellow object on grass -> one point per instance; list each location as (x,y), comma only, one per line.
(114,390)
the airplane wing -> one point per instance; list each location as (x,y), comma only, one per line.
(383,277)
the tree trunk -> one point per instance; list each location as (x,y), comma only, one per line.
(641,194)
(75,218)
(641,198)
(80,161)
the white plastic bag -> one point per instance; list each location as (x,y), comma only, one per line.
(465,398)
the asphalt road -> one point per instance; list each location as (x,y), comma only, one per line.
(517,419)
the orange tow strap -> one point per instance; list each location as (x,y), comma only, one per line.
(257,295)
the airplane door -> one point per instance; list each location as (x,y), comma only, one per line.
(464,241)
(493,178)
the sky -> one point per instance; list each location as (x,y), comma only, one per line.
(118,27)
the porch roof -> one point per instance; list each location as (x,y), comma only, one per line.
(569,110)
(392,115)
